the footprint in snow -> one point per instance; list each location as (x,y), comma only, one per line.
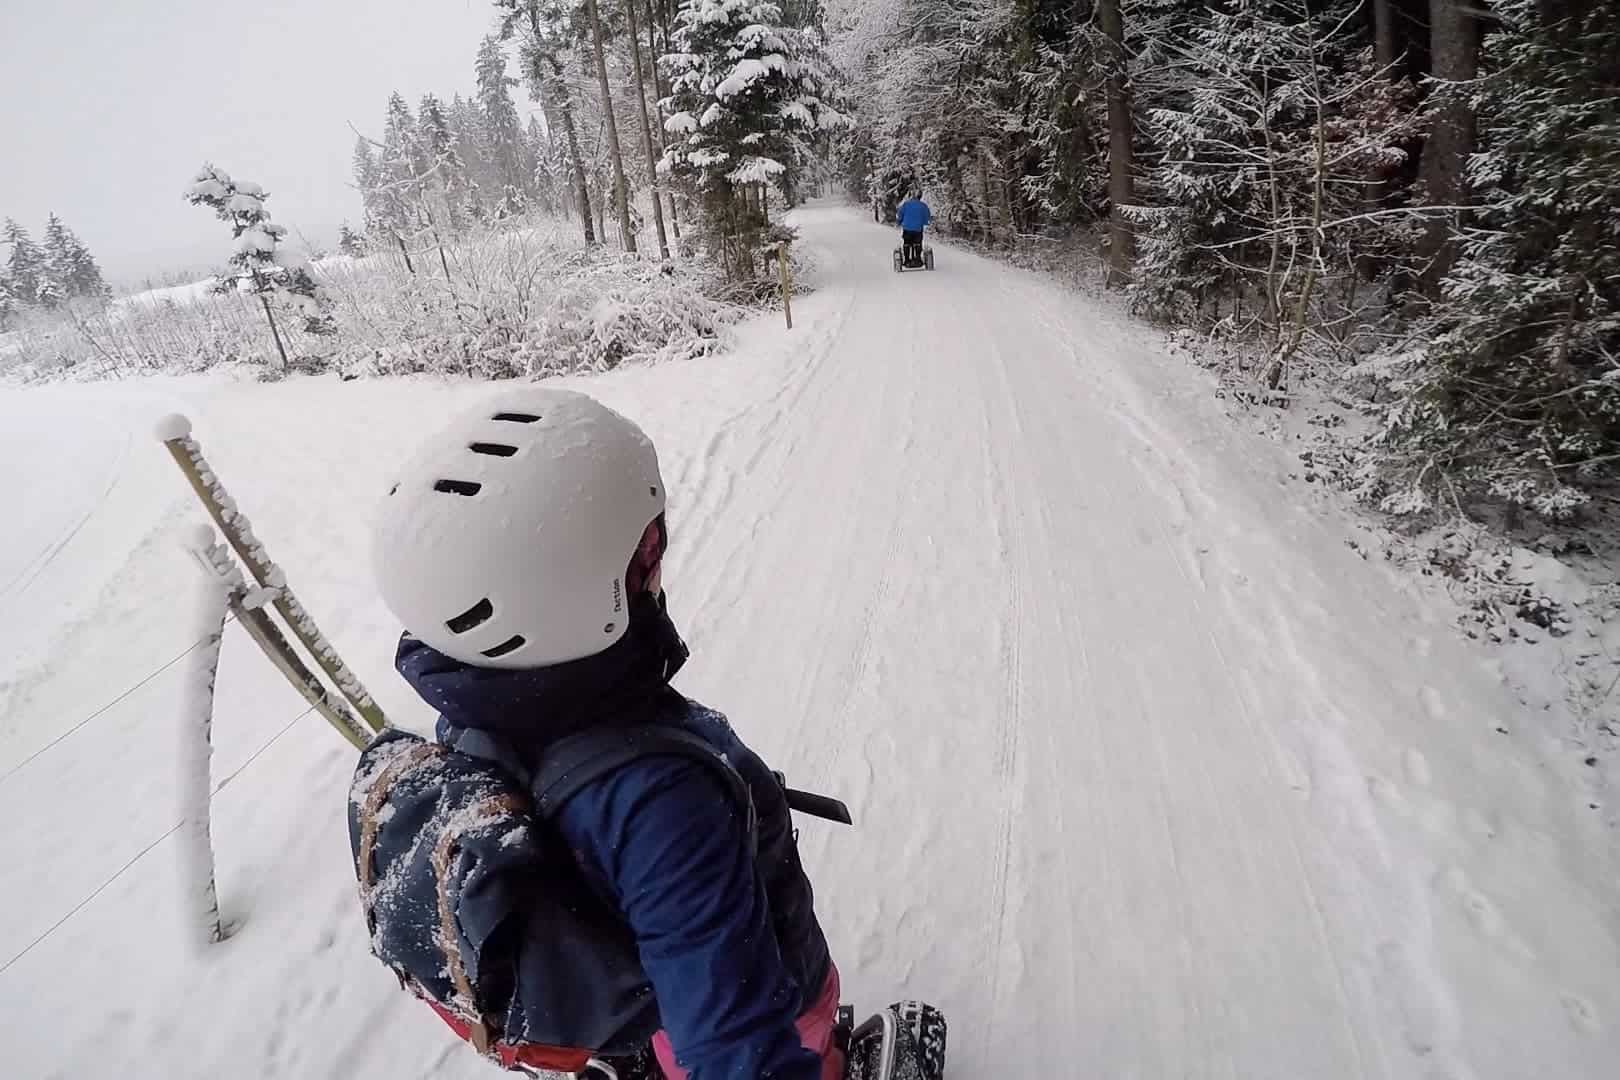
(1417,767)
(1582,1016)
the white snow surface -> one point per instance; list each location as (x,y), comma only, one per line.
(1153,776)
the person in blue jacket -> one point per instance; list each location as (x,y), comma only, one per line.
(913,218)
(523,549)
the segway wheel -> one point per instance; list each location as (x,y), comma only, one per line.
(928,258)
(897,260)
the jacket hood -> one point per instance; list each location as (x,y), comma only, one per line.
(531,707)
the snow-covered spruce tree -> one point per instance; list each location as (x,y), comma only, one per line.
(742,91)
(57,266)
(1064,79)
(259,264)
(402,166)
(25,265)
(467,125)
(448,185)
(505,145)
(1518,397)
(368,181)
(70,272)
(548,166)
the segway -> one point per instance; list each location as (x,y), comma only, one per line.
(904,260)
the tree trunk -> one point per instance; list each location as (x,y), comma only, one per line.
(1454,43)
(565,107)
(405,252)
(621,190)
(1383,33)
(274,332)
(658,101)
(646,131)
(1121,162)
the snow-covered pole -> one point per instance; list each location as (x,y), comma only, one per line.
(787,284)
(175,433)
(196,735)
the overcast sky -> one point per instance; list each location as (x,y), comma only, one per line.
(107,108)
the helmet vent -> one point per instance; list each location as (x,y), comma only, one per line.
(473,616)
(457,487)
(510,644)
(494,449)
(516,417)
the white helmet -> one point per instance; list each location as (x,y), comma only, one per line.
(505,541)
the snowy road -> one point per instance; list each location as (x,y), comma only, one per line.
(1153,776)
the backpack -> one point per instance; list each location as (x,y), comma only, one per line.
(476,904)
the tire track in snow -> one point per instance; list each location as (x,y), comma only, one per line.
(878,603)
(25,577)
(1263,742)
(1007,533)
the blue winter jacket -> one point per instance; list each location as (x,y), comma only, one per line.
(728,937)
(913,216)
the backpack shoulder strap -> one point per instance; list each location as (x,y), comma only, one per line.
(575,761)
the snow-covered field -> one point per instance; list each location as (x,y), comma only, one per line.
(1153,776)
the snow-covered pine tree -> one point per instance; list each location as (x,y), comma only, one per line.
(68,271)
(447,183)
(368,180)
(402,167)
(259,264)
(548,166)
(84,278)
(1519,396)
(55,266)
(1063,78)
(505,145)
(467,125)
(405,158)
(739,94)
(25,266)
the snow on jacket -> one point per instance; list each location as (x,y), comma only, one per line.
(728,938)
(913,216)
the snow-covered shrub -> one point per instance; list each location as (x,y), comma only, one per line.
(522,302)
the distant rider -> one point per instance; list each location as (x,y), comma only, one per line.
(913,219)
